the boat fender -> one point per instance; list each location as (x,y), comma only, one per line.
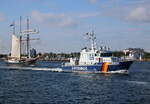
(105,67)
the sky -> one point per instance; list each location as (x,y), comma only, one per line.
(117,24)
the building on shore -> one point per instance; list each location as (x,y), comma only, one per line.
(133,53)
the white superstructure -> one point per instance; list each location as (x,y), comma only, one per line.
(93,55)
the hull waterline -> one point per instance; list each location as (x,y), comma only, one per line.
(21,62)
(99,68)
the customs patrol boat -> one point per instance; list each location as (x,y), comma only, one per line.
(94,60)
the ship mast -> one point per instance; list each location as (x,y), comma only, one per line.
(92,38)
(27,32)
(13,27)
(20,35)
(28,39)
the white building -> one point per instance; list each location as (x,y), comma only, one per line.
(134,53)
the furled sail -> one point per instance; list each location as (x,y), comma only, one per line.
(15,49)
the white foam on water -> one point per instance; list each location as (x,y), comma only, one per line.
(139,82)
(32,68)
(120,72)
(114,72)
(60,70)
(48,69)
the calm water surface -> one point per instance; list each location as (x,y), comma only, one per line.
(23,85)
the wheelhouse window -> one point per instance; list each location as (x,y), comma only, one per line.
(106,54)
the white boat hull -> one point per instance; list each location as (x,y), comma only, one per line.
(24,62)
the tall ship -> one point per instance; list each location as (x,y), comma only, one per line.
(21,42)
(96,60)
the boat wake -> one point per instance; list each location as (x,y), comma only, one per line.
(120,72)
(32,68)
(60,70)
(138,82)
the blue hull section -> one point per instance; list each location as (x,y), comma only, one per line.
(98,68)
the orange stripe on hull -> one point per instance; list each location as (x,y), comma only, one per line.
(105,66)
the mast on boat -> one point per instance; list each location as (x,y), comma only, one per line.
(28,53)
(20,35)
(18,40)
(13,27)
(16,43)
(28,32)
(92,38)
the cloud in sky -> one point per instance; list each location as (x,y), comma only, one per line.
(1,17)
(93,1)
(140,14)
(86,15)
(61,19)
(53,19)
(137,10)
(109,18)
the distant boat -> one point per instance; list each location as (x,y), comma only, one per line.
(96,60)
(16,56)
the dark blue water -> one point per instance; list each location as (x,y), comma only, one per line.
(27,86)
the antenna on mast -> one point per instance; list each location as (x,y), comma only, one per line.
(92,38)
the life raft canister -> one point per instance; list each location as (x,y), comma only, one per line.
(105,67)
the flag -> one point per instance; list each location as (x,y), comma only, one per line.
(11,24)
(87,33)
